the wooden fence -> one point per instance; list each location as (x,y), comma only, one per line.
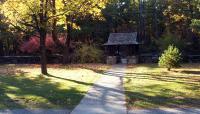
(28,59)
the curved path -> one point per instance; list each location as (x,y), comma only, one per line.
(106,96)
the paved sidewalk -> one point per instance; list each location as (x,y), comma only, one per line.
(106,96)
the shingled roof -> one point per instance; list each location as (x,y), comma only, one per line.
(122,39)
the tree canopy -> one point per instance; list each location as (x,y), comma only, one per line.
(89,22)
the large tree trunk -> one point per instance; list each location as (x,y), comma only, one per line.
(66,54)
(155,20)
(1,48)
(66,50)
(54,23)
(42,31)
(43,52)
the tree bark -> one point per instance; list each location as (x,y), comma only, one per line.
(1,48)
(42,31)
(155,19)
(66,50)
(54,23)
(66,54)
(43,52)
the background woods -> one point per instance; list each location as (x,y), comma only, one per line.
(69,27)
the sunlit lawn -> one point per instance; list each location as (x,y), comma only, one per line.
(148,86)
(22,86)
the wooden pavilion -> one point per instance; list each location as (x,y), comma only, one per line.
(122,48)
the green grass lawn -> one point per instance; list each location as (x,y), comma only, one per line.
(22,86)
(148,86)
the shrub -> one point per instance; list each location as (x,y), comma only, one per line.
(170,58)
(88,54)
(196,25)
(33,44)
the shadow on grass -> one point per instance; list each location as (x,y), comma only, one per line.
(90,84)
(160,99)
(5,101)
(79,82)
(36,93)
(159,95)
(167,78)
(39,92)
(191,72)
(192,80)
(163,96)
(95,67)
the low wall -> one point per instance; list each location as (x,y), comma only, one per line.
(28,59)
(132,59)
(111,60)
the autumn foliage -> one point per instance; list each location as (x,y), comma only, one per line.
(33,44)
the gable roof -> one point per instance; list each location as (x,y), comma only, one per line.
(122,39)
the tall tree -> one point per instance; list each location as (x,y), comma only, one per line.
(40,14)
(32,14)
(75,10)
(41,27)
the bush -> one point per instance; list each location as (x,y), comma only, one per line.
(196,25)
(88,54)
(33,44)
(170,58)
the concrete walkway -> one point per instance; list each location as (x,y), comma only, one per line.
(106,96)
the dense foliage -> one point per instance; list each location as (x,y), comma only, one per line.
(33,44)
(159,23)
(196,25)
(170,39)
(88,54)
(170,58)
(86,19)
